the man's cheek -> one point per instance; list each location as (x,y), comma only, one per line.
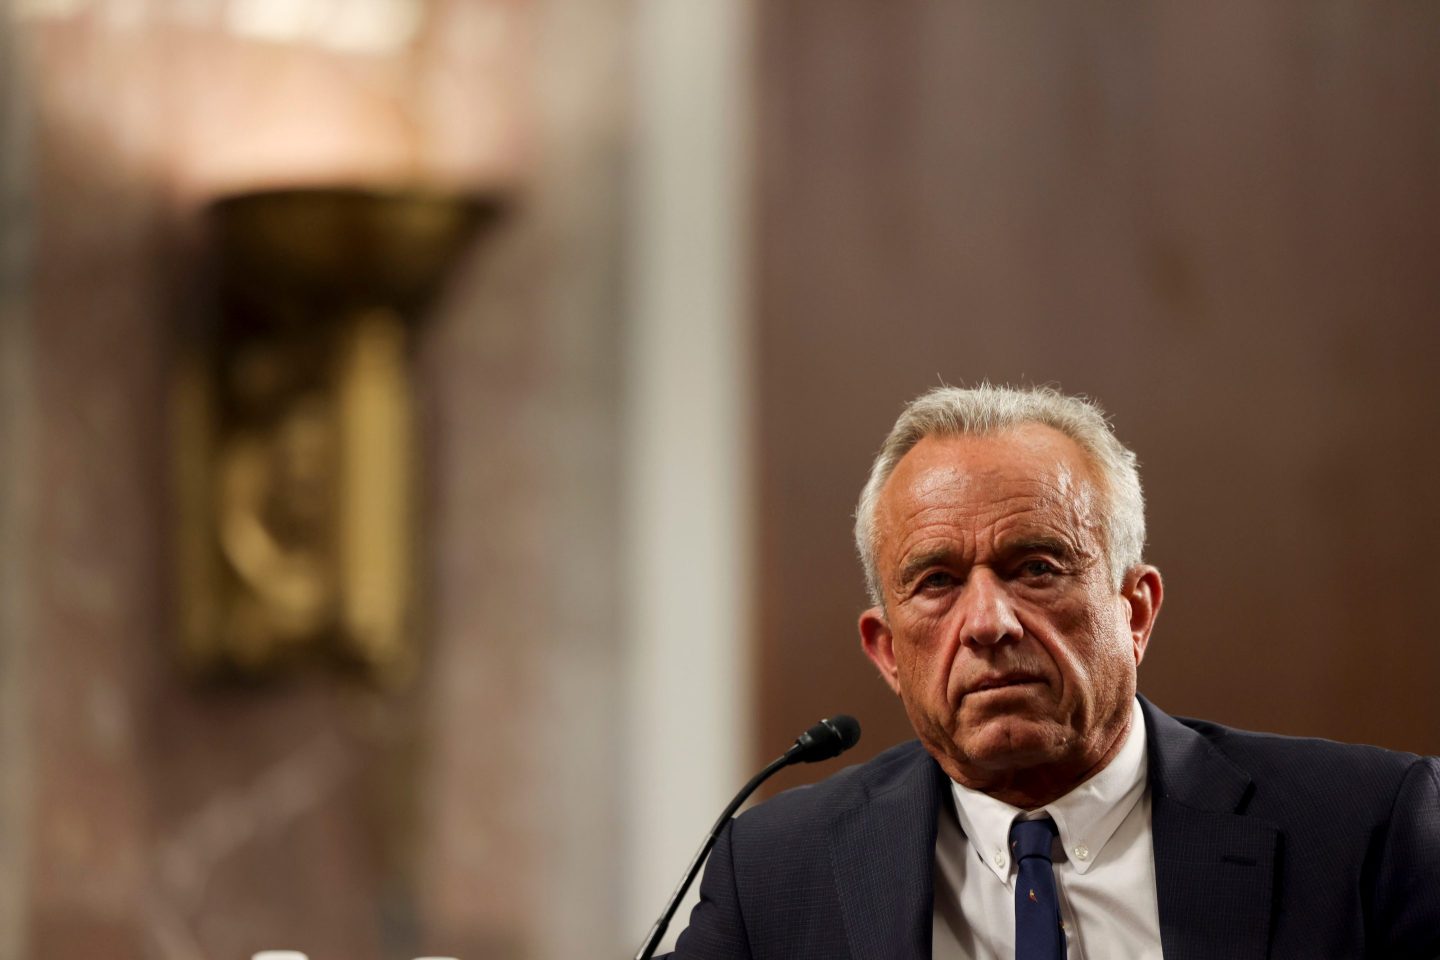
(917,674)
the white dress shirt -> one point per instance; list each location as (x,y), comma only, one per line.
(1104,867)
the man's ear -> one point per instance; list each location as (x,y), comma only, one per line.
(1143,591)
(879,645)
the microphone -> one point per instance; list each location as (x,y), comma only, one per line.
(830,737)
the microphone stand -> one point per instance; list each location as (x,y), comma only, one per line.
(830,737)
(657,932)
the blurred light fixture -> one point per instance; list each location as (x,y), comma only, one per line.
(294,436)
(361,26)
(349,26)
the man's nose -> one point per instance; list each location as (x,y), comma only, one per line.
(989,615)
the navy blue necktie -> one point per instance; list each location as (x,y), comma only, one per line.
(1038,934)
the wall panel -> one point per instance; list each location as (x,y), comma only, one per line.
(1220,220)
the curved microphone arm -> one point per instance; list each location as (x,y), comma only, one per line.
(828,738)
(657,932)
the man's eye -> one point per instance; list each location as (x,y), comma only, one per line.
(1037,568)
(939,580)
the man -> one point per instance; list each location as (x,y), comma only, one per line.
(1047,810)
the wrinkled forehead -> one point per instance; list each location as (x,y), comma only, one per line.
(985,471)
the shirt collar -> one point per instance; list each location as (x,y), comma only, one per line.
(1086,817)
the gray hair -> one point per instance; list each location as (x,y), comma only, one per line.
(987,409)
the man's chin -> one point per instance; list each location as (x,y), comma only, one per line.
(1007,743)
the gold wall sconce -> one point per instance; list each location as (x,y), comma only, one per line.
(295,438)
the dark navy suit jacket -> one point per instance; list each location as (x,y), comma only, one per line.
(1265,846)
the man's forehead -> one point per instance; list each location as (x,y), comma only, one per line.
(1030,450)
(1027,485)
(1024,471)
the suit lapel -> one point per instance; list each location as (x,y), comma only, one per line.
(1214,868)
(883,853)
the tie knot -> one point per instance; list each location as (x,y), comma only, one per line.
(1032,838)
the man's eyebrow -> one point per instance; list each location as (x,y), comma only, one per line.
(943,556)
(913,567)
(1049,544)
(1041,544)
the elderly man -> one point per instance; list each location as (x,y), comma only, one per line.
(1047,811)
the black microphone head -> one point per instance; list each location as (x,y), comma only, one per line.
(828,738)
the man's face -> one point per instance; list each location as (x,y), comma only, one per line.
(1010,645)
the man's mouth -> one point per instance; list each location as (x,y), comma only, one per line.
(1003,681)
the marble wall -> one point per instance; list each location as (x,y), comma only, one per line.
(143,815)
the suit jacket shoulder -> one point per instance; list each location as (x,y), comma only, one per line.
(842,868)
(851,788)
(1311,847)
(1265,847)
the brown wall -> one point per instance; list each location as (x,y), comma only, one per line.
(1222,221)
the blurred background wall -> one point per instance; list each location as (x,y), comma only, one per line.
(155,816)
(1221,221)
(740,237)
